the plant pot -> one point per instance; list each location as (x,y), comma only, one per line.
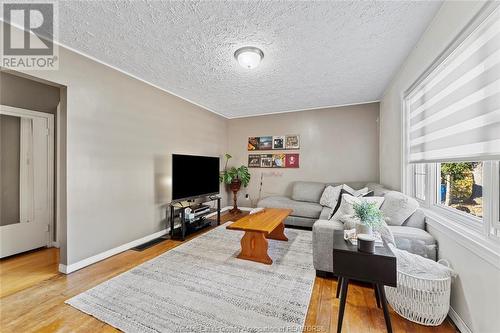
(363,229)
(235,187)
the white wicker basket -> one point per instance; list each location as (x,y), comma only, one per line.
(423,301)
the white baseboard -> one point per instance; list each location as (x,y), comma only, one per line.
(66,269)
(461,325)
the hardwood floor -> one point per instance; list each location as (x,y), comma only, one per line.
(227,216)
(33,296)
(27,269)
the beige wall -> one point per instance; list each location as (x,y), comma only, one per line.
(120,134)
(337,144)
(475,293)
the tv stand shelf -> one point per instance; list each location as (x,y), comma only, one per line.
(186,226)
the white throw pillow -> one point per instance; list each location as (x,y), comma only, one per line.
(355,193)
(346,205)
(398,207)
(361,192)
(330,196)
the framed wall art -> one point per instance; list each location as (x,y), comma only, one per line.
(277,160)
(277,142)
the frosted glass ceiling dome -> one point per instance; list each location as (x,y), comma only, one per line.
(249,57)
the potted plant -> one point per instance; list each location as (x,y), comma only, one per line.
(370,217)
(234,177)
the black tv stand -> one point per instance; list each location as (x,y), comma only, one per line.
(190,225)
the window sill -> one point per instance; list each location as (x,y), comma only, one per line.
(471,239)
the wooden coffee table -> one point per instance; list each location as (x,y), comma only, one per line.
(258,228)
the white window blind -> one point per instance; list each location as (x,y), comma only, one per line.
(454,113)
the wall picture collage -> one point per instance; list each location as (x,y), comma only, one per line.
(274,160)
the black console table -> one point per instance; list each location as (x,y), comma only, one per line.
(378,269)
(188,226)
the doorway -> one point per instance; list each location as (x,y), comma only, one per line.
(26,180)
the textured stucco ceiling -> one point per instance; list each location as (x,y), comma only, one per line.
(317,54)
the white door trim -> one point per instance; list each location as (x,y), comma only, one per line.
(13,111)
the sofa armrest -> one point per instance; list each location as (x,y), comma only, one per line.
(416,220)
(322,238)
(325,213)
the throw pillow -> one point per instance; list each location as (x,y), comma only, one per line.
(347,202)
(397,207)
(330,196)
(361,192)
(339,200)
(349,189)
(353,192)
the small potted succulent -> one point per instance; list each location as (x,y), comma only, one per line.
(234,177)
(370,217)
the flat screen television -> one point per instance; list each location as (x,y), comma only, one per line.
(194,176)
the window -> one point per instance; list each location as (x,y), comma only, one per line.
(451,129)
(419,181)
(461,187)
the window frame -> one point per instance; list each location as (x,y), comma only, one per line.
(488,225)
(412,183)
(466,219)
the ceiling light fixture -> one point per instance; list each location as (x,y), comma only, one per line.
(249,57)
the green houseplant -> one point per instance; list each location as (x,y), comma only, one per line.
(234,177)
(370,217)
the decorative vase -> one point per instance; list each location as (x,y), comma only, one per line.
(362,228)
(235,187)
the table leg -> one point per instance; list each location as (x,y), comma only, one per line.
(171,221)
(343,298)
(183,225)
(218,211)
(254,247)
(339,283)
(278,233)
(377,297)
(387,317)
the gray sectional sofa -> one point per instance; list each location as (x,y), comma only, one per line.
(304,202)
(307,212)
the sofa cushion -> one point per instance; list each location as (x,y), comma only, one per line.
(414,240)
(307,191)
(297,221)
(398,207)
(346,205)
(300,208)
(378,189)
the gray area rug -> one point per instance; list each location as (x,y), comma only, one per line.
(201,286)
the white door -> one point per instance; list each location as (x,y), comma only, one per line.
(26,180)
